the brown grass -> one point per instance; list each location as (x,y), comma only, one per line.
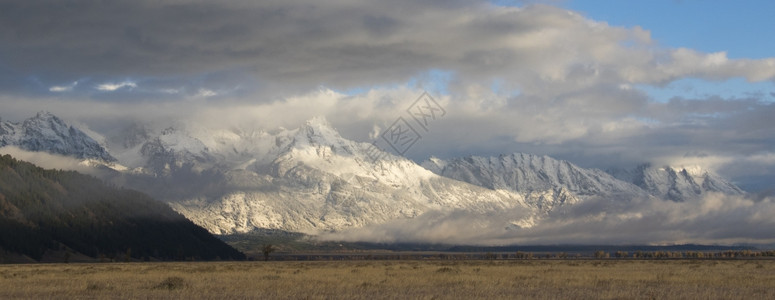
(533,279)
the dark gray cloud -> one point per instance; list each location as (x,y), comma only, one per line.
(338,43)
(282,40)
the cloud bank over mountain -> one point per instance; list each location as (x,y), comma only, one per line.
(712,219)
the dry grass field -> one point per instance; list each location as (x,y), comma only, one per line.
(498,279)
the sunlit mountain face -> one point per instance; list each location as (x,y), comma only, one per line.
(310,179)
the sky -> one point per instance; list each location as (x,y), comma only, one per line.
(605,84)
(735,27)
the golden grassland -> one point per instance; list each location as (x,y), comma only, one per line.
(490,279)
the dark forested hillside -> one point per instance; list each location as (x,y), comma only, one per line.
(48,210)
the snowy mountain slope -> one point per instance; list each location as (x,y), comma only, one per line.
(676,183)
(308,179)
(528,173)
(48,133)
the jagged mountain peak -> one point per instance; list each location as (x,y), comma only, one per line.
(676,183)
(46,120)
(48,133)
(434,164)
(319,130)
(693,170)
(44,114)
(316,137)
(169,131)
(507,160)
(319,122)
(319,146)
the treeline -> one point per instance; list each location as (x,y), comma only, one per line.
(687,254)
(643,254)
(53,210)
(769,254)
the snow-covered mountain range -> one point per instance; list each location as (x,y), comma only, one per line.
(311,179)
(520,172)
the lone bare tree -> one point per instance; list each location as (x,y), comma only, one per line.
(267,249)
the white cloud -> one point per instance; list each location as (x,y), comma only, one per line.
(204,93)
(46,160)
(60,88)
(714,219)
(63,88)
(110,87)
